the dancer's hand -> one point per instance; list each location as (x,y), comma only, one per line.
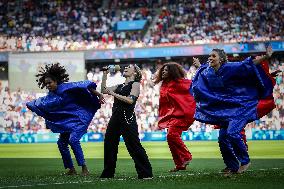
(268,54)
(102,100)
(196,62)
(107,91)
(269,51)
(260,58)
(275,73)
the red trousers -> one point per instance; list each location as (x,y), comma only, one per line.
(244,137)
(177,147)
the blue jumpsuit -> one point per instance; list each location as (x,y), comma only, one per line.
(229,98)
(68,111)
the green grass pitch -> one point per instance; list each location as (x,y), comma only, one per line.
(40,166)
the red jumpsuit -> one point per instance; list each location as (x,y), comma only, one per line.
(176,111)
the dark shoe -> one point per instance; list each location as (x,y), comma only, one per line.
(106,177)
(145,178)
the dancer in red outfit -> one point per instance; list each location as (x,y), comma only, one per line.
(176,110)
(266,105)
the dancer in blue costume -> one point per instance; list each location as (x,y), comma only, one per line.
(227,94)
(68,109)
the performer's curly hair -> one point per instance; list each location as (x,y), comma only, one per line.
(222,55)
(175,71)
(53,71)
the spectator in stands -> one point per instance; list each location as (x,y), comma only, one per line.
(82,25)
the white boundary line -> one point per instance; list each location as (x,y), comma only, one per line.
(122,179)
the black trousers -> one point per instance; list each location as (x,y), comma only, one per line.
(122,123)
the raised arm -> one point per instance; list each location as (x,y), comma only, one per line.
(134,94)
(268,54)
(196,62)
(103,84)
(100,95)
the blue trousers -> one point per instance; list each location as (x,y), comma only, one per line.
(72,139)
(233,148)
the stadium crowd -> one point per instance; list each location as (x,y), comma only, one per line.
(16,118)
(60,25)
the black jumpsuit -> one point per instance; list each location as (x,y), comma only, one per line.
(123,122)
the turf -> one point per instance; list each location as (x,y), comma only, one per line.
(40,166)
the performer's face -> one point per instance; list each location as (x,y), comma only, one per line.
(214,60)
(165,72)
(129,71)
(50,84)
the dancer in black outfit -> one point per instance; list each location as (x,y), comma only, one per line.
(123,122)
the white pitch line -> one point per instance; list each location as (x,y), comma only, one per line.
(121,179)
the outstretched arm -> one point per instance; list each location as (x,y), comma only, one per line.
(275,73)
(196,62)
(100,95)
(259,59)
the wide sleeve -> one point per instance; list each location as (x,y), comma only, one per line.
(176,106)
(31,106)
(79,93)
(264,81)
(76,86)
(182,100)
(230,93)
(43,105)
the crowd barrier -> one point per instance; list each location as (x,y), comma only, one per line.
(150,136)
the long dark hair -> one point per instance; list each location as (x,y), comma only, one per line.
(54,71)
(175,71)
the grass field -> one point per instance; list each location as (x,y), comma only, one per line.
(40,166)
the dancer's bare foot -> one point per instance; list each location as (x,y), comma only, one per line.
(85,171)
(229,173)
(177,169)
(243,168)
(225,170)
(71,171)
(186,163)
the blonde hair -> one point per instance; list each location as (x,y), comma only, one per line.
(138,72)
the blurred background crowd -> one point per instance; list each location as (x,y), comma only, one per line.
(64,25)
(16,118)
